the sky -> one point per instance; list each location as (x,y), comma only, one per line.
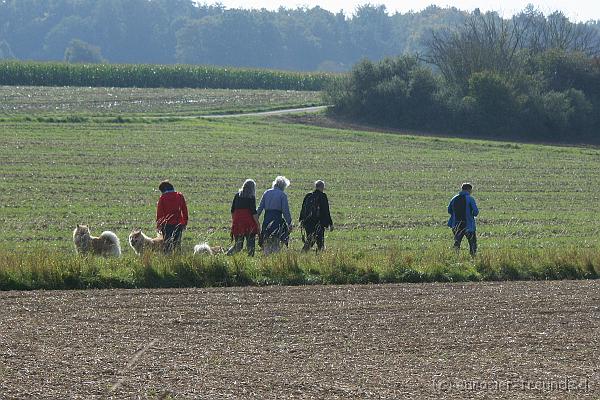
(579,10)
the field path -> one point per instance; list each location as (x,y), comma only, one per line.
(518,340)
(265,113)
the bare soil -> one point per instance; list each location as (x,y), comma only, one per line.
(519,340)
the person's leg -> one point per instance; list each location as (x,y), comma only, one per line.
(459,233)
(177,236)
(270,245)
(276,244)
(472,238)
(320,238)
(251,244)
(168,231)
(309,241)
(237,245)
(279,237)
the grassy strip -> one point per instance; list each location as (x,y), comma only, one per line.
(54,104)
(58,270)
(153,76)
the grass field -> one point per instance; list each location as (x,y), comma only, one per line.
(34,101)
(387,191)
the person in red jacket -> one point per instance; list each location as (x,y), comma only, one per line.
(171,216)
(244,221)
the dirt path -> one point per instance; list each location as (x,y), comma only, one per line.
(265,113)
(521,340)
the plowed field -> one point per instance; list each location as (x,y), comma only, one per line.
(519,340)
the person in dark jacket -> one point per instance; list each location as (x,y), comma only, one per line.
(463,210)
(244,219)
(171,216)
(315,217)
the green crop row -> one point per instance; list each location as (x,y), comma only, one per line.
(14,73)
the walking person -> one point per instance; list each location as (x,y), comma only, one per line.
(171,216)
(463,210)
(244,219)
(277,222)
(315,217)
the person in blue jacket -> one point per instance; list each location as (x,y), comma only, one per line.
(277,223)
(463,210)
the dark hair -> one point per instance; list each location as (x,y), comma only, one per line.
(164,186)
(467,186)
(248,189)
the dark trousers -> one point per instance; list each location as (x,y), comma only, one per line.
(315,233)
(460,231)
(172,235)
(239,245)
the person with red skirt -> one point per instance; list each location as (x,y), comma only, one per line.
(244,219)
(171,216)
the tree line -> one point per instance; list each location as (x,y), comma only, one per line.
(183,31)
(528,77)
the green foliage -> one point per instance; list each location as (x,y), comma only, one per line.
(186,31)
(394,91)
(556,98)
(143,76)
(531,77)
(56,270)
(82,52)
(494,100)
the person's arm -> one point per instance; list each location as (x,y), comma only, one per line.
(261,206)
(285,208)
(474,209)
(302,210)
(450,210)
(325,211)
(233,204)
(255,214)
(159,213)
(184,211)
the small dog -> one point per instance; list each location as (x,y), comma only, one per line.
(139,242)
(204,248)
(107,244)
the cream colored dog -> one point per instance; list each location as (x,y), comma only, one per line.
(139,242)
(107,244)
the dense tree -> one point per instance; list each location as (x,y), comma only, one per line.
(59,37)
(82,52)
(498,77)
(186,31)
(487,42)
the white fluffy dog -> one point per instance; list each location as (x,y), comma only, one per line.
(107,244)
(204,248)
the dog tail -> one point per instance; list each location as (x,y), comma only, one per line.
(203,248)
(116,244)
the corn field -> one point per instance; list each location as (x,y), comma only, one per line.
(13,73)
